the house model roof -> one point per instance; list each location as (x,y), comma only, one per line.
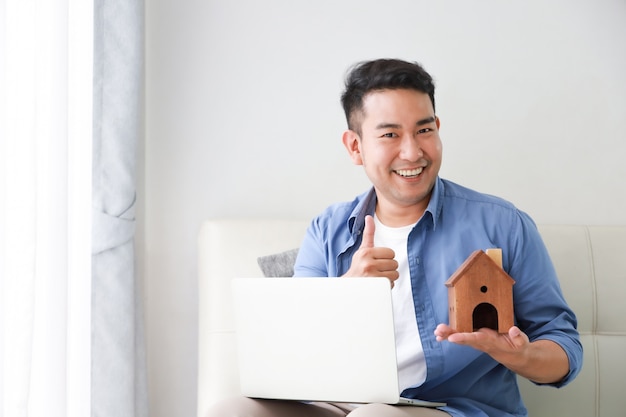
(479,260)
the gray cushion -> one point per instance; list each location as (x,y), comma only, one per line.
(278,264)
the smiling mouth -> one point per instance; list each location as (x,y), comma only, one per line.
(409,173)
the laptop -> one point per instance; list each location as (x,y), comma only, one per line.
(317,339)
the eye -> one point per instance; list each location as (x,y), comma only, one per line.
(425,130)
(389,135)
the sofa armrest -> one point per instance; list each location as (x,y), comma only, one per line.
(229,248)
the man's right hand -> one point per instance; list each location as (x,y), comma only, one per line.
(371,261)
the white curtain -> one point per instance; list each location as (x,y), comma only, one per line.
(55,320)
(45,228)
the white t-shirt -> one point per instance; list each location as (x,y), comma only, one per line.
(409,351)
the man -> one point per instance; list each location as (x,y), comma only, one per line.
(416,229)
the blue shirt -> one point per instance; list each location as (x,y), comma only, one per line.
(457,222)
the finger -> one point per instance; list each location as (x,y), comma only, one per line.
(514,332)
(517,338)
(442,332)
(368,233)
(384,261)
(385,253)
(475,338)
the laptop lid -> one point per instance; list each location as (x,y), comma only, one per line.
(316,339)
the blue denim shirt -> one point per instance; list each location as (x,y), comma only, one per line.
(457,222)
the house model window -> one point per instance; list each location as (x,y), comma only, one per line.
(480,294)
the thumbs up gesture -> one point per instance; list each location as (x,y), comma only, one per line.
(372,261)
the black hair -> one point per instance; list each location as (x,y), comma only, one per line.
(381,74)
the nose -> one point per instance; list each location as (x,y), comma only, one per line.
(411,149)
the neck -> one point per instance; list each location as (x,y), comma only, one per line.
(394,216)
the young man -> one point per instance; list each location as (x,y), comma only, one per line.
(416,229)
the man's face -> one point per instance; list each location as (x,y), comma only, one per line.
(399,148)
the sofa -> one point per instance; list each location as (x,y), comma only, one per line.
(590,261)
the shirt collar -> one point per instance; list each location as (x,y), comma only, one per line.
(436,202)
(366,205)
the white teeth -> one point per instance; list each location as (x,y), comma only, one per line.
(409,172)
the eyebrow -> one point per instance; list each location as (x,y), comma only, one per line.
(426,121)
(422,122)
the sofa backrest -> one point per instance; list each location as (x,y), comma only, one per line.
(591,265)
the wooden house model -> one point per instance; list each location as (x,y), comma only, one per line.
(480,294)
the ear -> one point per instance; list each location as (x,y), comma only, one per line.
(438,122)
(352,142)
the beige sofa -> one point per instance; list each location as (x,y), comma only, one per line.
(590,261)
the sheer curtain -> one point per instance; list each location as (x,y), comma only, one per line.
(45,233)
(55,301)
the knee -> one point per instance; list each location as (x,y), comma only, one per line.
(232,407)
(371,410)
(386,410)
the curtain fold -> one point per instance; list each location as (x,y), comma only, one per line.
(118,359)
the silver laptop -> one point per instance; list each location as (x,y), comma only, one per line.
(317,339)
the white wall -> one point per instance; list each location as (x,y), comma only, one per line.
(243,119)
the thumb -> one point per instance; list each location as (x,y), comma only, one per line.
(368,233)
(516,336)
